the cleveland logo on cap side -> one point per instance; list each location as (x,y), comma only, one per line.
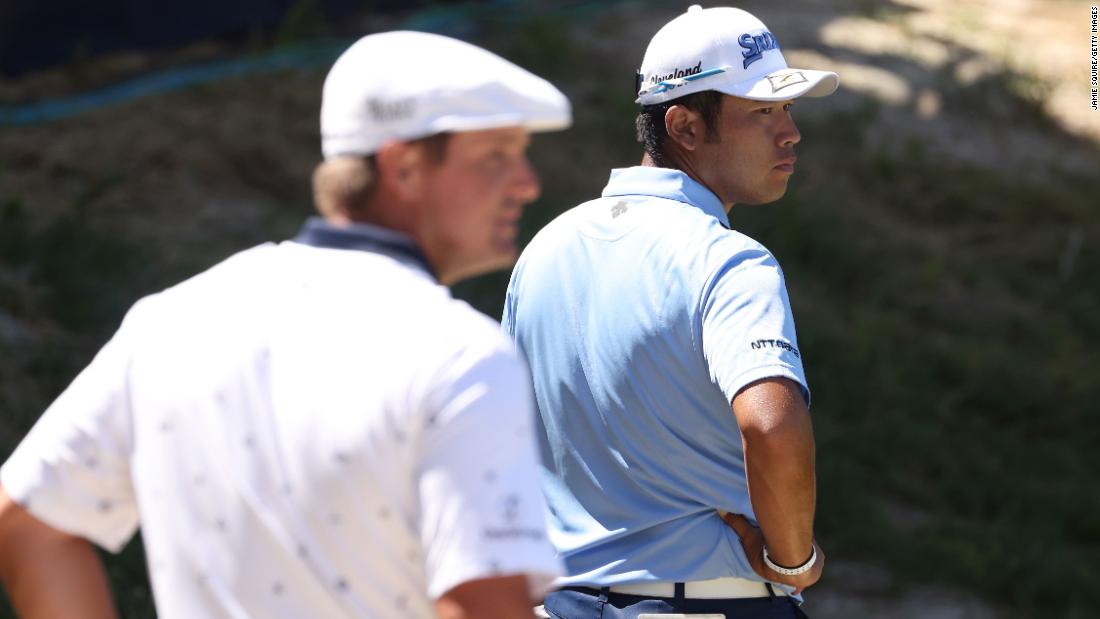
(756,45)
(678,73)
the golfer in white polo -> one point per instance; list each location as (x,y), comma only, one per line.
(316,428)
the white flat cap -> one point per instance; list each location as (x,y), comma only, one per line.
(407,85)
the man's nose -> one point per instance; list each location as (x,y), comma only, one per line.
(789,135)
(526,185)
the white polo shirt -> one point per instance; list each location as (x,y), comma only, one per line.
(309,429)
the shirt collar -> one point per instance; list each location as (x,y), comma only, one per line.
(362,237)
(665,183)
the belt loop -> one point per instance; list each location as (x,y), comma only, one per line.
(604,591)
(678,592)
(771,592)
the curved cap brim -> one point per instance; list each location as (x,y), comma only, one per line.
(785,84)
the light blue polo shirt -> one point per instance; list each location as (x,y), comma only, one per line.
(642,315)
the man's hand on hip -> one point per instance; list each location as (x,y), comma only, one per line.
(752,540)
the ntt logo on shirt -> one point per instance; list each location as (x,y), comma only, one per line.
(775,344)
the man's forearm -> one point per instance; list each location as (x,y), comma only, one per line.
(49,574)
(780,469)
(777,434)
(500,597)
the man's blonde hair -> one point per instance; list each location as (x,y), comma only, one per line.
(344,186)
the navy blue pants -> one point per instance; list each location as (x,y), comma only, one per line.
(586,603)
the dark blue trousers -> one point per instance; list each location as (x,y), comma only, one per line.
(587,603)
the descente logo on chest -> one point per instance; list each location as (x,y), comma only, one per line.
(756,45)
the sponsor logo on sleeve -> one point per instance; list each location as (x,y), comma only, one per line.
(511,509)
(781,344)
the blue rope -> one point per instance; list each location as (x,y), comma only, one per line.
(299,57)
(306,56)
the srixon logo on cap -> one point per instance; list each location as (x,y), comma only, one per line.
(756,45)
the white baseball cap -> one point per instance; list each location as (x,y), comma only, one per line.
(727,50)
(406,85)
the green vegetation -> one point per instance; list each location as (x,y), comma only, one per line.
(952,350)
(949,324)
(303,21)
(80,281)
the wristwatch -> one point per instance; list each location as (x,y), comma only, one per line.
(792,571)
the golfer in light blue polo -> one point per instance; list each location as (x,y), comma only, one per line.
(677,448)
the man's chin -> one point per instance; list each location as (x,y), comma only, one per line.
(506,251)
(760,201)
(766,197)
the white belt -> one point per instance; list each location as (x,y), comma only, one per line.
(728,588)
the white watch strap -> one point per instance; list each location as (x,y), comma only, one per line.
(792,571)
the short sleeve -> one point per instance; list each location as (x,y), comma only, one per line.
(482,511)
(748,331)
(72,470)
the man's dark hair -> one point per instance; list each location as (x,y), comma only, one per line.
(650,123)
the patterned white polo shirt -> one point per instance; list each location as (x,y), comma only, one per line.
(309,429)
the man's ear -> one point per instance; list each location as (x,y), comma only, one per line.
(401,170)
(684,127)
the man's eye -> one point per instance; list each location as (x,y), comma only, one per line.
(787,107)
(765,110)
